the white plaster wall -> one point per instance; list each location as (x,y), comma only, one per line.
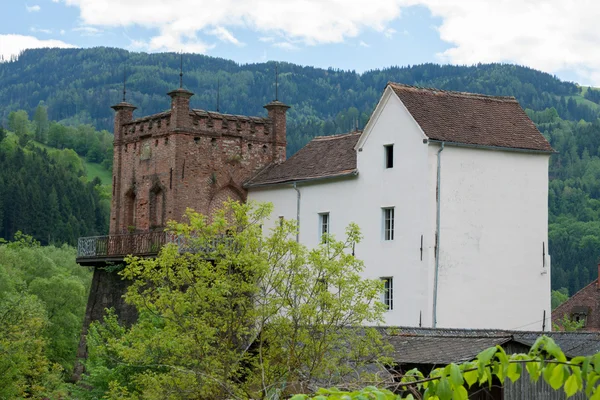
(494,219)
(361,199)
(493,223)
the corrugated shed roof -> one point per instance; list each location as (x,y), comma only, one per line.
(322,157)
(443,346)
(470,118)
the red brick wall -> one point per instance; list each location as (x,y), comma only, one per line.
(589,298)
(192,158)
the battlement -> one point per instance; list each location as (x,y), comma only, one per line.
(184,157)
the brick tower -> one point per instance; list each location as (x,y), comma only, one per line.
(163,164)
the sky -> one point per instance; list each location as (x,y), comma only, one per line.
(556,36)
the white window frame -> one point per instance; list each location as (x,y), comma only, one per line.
(388,155)
(388,225)
(387,296)
(324,224)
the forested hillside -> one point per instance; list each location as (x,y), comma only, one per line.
(78,86)
(45,194)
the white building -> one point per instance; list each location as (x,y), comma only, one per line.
(450,192)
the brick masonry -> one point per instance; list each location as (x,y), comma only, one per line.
(167,162)
(586,301)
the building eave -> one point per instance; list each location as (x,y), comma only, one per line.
(494,148)
(348,174)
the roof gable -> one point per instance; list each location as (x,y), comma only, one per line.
(471,119)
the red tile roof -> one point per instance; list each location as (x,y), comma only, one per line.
(453,117)
(323,157)
(471,119)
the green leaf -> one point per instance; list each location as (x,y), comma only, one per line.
(471,377)
(597,363)
(548,369)
(533,368)
(444,391)
(486,355)
(557,377)
(460,393)
(590,383)
(552,348)
(571,386)
(455,376)
(514,372)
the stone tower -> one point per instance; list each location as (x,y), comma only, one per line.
(163,164)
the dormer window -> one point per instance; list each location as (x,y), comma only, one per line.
(389,155)
(579,314)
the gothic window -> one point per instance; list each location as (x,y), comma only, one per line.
(130,211)
(157,207)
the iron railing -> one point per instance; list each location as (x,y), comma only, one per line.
(139,244)
(142,244)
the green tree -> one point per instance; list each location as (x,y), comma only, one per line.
(559,296)
(239,315)
(18,122)
(25,370)
(40,120)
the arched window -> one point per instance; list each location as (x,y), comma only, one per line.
(130,211)
(157,207)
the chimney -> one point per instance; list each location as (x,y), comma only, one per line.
(180,109)
(123,115)
(277,114)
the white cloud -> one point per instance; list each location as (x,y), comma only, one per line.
(40,30)
(266,39)
(62,32)
(13,44)
(55,1)
(88,31)
(550,35)
(303,21)
(363,44)
(285,46)
(35,8)
(225,36)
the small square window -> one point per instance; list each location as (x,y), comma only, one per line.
(389,155)
(387,297)
(388,223)
(323,224)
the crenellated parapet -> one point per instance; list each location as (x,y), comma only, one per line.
(183,157)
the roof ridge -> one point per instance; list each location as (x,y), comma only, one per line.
(149,117)
(337,136)
(215,113)
(469,95)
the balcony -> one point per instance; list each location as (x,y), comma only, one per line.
(99,250)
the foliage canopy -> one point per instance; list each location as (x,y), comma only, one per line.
(240,314)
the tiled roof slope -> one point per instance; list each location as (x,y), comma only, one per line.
(470,118)
(588,299)
(322,157)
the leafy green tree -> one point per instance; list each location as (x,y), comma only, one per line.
(239,314)
(24,368)
(48,278)
(568,324)
(559,296)
(2,133)
(18,122)
(40,120)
